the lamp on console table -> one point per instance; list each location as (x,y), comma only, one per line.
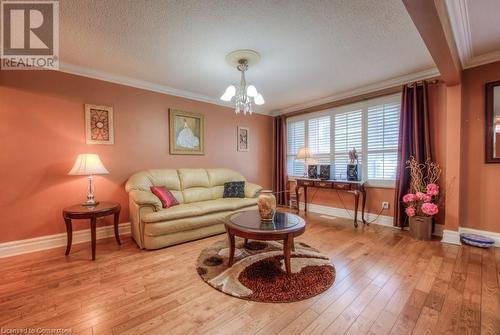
(88,165)
(307,156)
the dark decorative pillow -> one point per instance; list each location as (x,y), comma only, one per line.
(234,189)
(166,197)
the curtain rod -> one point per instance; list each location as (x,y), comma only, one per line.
(358,98)
(421,82)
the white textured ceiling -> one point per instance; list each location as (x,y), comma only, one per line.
(484,19)
(310,49)
(476,29)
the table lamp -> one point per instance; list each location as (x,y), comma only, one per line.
(306,155)
(88,165)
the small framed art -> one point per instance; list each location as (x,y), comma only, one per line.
(243,138)
(99,125)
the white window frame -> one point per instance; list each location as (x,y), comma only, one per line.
(364,135)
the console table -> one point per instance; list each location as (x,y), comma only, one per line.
(354,187)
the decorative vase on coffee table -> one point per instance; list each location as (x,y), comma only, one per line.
(421,227)
(267,205)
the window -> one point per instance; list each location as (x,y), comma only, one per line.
(318,130)
(296,141)
(383,132)
(348,135)
(372,127)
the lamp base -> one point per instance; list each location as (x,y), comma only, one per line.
(90,203)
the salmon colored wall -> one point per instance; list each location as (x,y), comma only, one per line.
(480,181)
(375,196)
(42,131)
(437,114)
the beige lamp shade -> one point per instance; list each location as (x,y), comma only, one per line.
(306,155)
(87,165)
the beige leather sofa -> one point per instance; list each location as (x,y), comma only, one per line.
(201,208)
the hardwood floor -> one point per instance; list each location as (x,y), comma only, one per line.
(386,283)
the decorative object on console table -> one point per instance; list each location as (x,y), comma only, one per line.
(88,165)
(99,125)
(353,168)
(243,135)
(324,171)
(92,213)
(305,155)
(312,171)
(267,205)
(186,133)
(421,202)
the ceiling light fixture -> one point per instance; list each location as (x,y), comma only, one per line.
(244,96)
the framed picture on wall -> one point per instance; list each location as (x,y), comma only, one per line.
(187,133)
(243,138)
(99,125)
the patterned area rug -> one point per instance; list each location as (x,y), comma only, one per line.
(258,272)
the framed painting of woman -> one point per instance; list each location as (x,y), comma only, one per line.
(186,133)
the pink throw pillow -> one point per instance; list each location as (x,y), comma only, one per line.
(166,197)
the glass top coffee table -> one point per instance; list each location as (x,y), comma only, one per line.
(285,226)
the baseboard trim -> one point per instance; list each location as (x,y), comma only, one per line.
(20,247)
(453,237)
(383,220)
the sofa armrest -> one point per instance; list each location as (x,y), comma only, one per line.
(143,198)
(251,190)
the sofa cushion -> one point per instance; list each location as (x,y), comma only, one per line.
(218,177)
(227,204)
(186,224)
(176,212)
(196,194)
(193,178)
(142,181)
(234,189)
(166,197)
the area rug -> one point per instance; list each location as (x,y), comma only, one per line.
(258,272)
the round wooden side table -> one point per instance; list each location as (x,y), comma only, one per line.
(285,226)
(92,213)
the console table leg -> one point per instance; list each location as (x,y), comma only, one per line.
(363,193)
(69,232)
(93,235)
(305,198)
(231,249)
(356,205)
(297,197)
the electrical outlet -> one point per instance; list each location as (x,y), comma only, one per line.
(385,205)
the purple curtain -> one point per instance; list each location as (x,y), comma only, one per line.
(279,160)
(414,140)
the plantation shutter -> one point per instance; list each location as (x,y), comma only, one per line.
(319,138)
(295,141)
(383,132)
(348,135)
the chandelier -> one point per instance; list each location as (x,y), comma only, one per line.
(244,95)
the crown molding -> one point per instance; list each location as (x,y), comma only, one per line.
(416,76)
(458,14)
(141,84)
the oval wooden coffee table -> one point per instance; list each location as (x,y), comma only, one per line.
(285,226)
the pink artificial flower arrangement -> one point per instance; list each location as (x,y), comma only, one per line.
(422,203)
(423,198)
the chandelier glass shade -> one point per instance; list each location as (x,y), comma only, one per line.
(243,95)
